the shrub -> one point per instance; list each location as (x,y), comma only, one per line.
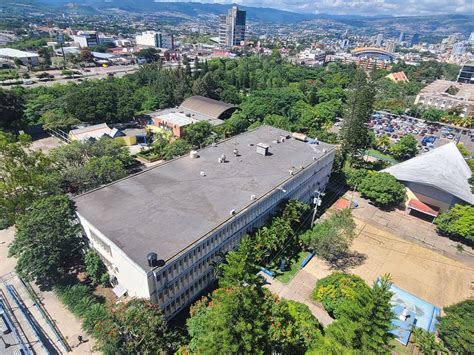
(456,328)
(338,290)
(382,189)
(458,222)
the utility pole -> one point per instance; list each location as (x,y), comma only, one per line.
(317,202)
(352,196)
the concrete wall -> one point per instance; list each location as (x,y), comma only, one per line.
(128,274)
(432,196)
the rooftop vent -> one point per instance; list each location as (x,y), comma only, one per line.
(291,172)
(253,197)
(222,159)
(232,212)
(262,148)
(203,173)
(152,259)
(236,152)
(300,136)
(193,154)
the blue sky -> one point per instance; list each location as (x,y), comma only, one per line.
(361,7)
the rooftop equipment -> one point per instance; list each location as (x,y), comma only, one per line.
(262,148)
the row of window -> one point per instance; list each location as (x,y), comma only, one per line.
(98,241)
(182,300)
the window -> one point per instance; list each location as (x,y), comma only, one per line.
(97,240)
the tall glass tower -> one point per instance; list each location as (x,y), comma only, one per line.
(232,27)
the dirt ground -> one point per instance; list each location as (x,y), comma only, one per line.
(45,143)
(424,272)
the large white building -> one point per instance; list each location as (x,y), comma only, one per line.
(155,39)
(232,27)
(26,58)
(86,39)
(160,231)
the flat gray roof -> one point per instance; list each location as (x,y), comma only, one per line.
(168,207)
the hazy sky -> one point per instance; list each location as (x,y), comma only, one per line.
(360,7)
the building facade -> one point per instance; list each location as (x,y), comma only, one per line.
(444,95)
(466,74)
(86,39)
(28,59)
(232,27)
(155,39)
(187,268)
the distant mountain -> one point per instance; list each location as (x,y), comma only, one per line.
(188,9)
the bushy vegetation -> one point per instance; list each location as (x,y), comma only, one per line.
(457,222)
(135,326)
(47,241)
(332,237)
(338,291)
(382,188)
(456,328)
(261,323)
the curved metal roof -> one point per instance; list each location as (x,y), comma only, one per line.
(372,50)
(206,106)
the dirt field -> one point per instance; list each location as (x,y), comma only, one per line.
(421,271)
(45,144)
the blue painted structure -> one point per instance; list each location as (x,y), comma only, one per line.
(307,260)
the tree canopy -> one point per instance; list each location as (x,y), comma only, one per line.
(456,328)
(47,241)
(382,188)
(457,222)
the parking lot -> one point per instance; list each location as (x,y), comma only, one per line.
(430,135)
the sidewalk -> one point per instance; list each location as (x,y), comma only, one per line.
(299,289)
(68,324)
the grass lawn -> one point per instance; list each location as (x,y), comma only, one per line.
(286,276)
(377,154)
(400,349)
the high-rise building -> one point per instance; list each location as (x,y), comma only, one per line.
(471,39)
(401,38)
(459,49)
(378,41)
(391,47)
(155,39)
(232,27)
(466,74)
(415,39)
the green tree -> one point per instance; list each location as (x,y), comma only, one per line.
(376,322)
(205,86)
(432,114)
(456,327)
(104,170)
(47,241)
(25,176)
(137,327)
(405,148)
(335,291)
(332,237)
(382,188)
(426,342)
(149,54)
(11,109)
(95,268)
(383,143)
(86,55)
(197,133)
(457,222)
(260,323)
(176,149)
(354,132)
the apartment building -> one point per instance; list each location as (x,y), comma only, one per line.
(160,231)
(232,27)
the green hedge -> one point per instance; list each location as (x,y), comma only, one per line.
(337,291)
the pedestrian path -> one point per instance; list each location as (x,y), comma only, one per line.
(299,289)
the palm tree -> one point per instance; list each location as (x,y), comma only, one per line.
(426,342)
